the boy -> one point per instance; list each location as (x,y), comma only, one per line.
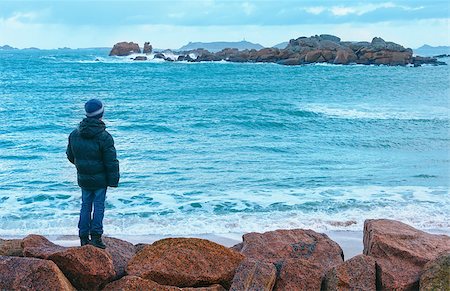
(91,149)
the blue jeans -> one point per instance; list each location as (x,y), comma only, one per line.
(88,225)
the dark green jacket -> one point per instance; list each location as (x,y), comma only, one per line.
(91,150)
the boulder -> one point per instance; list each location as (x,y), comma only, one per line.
(328,55)
(292,251)
(392,46)
(303,244)
(125,49)
(215,287)
(140,58)
(38,246)
(121,252)
(254,275)
(291,61)
(185,262)
(418,61)
(186,58)
(311,42)
(159,56)
(355,46)
(401,252)
(267,55)
(134,283)
(138,247)
(358,273)
(330,37)
(313,56)
(86,267)
(11,247)
(147,48)
(31,274)
(345,57)
(436,274)
(378,43)
(330,45)
(299,275)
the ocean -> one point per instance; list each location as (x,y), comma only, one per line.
(208,148)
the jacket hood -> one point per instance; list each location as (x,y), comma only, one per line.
(90,127)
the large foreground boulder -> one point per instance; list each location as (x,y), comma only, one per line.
(31,274)
(86,267)
(301,256)
(11,247)
(358,273)
(401,252)
(121,252)
(436,274)
(37,246)
(134,283)
(124,49)
(254,275)
(185,262)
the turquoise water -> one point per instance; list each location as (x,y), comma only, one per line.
(223,147)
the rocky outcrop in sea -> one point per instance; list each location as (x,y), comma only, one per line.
(303,50)
(396,257)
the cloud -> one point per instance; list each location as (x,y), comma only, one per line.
(359,9)
(248,8)
(315,10)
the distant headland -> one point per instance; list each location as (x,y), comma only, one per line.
(322,48)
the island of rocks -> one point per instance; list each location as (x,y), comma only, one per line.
(396,256)
(303,50)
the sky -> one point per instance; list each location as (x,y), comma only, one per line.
(171,24)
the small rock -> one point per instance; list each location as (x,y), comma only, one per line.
(358,273)
(185,262)
(436,274)
(253,275)
(140,58)
(401,252)
(159,56)
(31,274)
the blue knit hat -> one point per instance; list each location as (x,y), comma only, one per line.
(94,108)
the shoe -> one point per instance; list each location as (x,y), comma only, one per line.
(96,241)
(84,240)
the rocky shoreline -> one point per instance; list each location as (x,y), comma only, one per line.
(303,50)
(395,257)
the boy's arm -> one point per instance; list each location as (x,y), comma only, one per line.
(110,162)
(69,153)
